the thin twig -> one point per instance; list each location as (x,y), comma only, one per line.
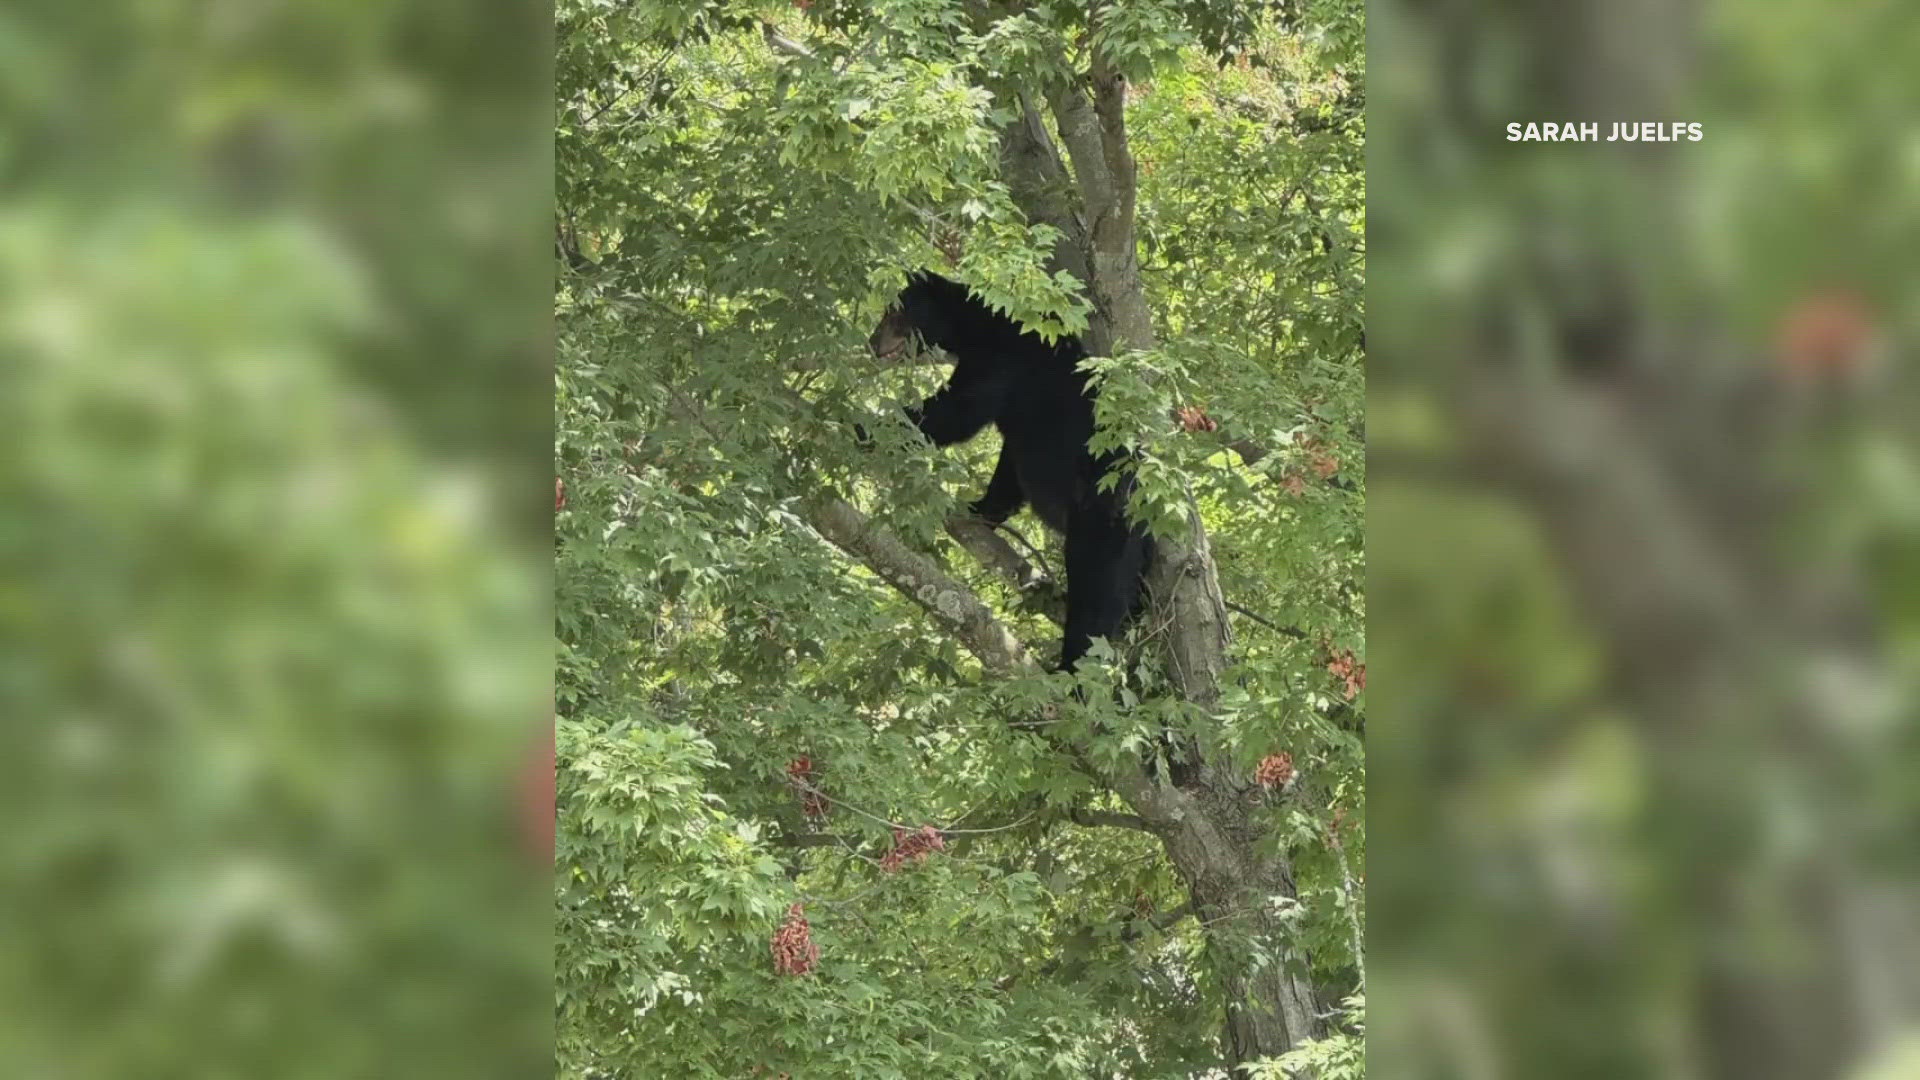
(1290,631)
(1109,819)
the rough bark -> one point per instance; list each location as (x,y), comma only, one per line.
(950,603)
(1038,182)
(1243,900)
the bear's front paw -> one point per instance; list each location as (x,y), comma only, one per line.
(988,514)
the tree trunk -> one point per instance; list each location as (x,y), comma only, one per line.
(1244,902)
(1241,898)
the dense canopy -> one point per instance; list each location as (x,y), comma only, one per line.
(822,811)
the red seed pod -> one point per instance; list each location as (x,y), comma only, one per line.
(912,846)
(1194,418)
(794,952)
(1346,667)
(1275,771)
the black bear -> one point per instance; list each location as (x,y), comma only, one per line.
(1011,378)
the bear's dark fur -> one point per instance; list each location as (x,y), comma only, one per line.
(1011,378)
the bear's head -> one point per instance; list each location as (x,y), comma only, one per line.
(929,309)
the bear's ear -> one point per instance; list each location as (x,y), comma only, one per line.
(893,334)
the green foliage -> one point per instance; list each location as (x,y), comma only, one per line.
(741,214)
(1340,1056)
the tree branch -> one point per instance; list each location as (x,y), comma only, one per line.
(1038,593)
(1038,182)
(952,605)
(811,840)
(1108,819)
(1290,631)
(784,44)
(1165,920)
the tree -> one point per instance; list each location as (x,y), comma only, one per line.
(779,683)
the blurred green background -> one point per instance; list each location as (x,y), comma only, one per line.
(1643,567)
(274,585)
